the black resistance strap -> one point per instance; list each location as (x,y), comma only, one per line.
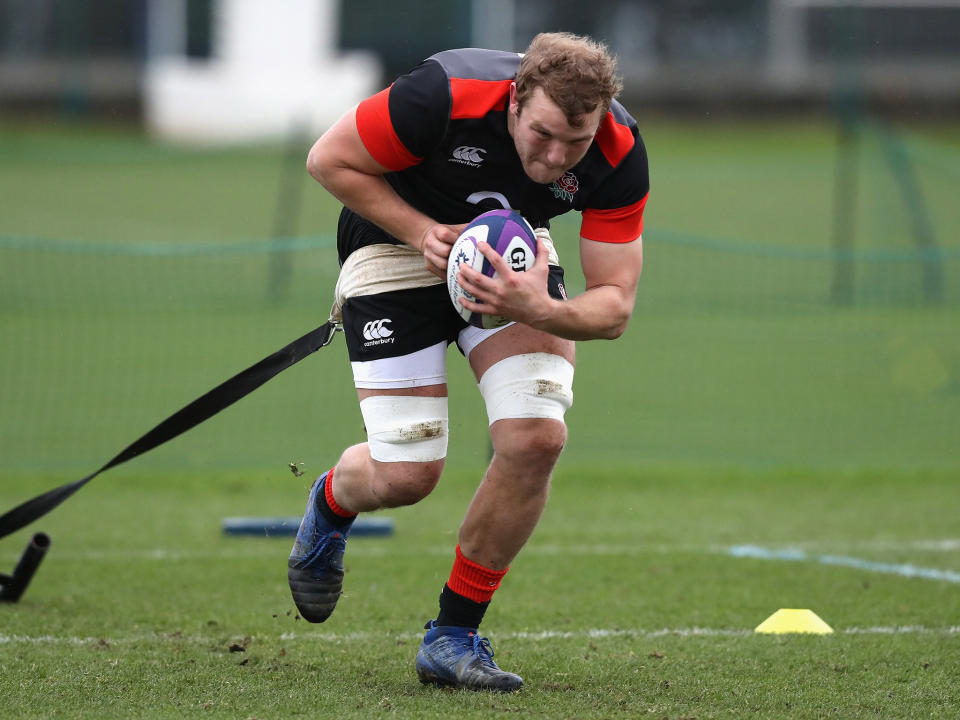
(201,409)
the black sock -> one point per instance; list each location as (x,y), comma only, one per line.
(328,514)
(455,609)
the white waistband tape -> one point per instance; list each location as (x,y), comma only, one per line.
(377,269)
(532,385)
(383,267)
(406,428)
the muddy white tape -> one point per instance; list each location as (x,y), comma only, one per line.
(380,268)
(404,428)
(532,385)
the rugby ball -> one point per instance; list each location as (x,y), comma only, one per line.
(510,235)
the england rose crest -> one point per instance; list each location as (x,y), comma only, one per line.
(565,187)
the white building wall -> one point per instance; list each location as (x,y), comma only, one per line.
(274,70)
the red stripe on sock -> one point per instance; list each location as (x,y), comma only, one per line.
(474,581)
(331,503)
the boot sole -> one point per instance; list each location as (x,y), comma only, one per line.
(315,598)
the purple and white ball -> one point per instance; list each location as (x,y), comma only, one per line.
(510,235)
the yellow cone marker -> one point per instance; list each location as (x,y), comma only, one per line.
(787,620)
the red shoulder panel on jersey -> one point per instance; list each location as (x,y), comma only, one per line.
(618,225)
(475,98)
(378,135)
(615,140)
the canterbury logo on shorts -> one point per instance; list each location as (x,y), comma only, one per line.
(377,332)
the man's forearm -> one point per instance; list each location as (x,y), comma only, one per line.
(601,313)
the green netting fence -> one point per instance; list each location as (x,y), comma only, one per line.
(738,355)
(799,306)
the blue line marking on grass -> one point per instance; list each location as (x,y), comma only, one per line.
(907,570)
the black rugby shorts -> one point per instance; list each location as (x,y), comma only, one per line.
(400,322)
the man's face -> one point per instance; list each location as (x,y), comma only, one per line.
(547,144)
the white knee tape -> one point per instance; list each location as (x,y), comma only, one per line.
(406,428)
(533,385)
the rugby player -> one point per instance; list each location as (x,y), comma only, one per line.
(466,131)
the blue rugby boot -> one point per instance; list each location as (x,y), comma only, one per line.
(458,657)
(315,567)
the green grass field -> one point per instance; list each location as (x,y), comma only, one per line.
(742,408)
(625,604)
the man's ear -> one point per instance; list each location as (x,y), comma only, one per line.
(514,103)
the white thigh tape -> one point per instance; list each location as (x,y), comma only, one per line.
(533,385)
(405,428)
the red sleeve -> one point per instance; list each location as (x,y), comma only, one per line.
(476,98)
(615,139)
(378,135)
(617,225)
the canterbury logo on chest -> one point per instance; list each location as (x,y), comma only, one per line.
(467,155)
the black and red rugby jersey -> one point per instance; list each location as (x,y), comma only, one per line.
(441,129)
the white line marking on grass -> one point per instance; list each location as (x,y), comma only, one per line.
(532,635)
(716,632)
(631,549)
(942,545)
(357,549)
(599,633)
(904,570)
(279,547)
(927,545)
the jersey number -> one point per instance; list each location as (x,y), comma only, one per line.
(478,197)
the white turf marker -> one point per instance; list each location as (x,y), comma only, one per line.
(947,545)
(528,635)
(249,550)
(911,571)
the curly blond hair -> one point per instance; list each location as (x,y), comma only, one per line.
(576,72)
